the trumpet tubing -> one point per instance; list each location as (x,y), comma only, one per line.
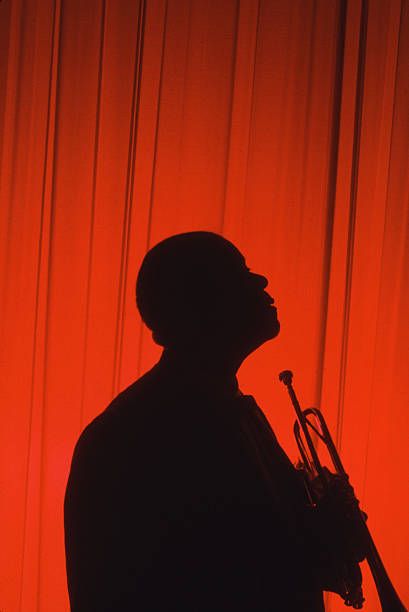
(388,597)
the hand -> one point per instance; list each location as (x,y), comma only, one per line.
(346,581)
(341,518)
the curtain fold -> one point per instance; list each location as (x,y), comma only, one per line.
(282,126)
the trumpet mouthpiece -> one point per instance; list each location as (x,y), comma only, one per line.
(286,377)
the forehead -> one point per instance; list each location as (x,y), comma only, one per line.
(223,257)
(195,256)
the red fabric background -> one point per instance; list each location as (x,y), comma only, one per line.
(281,125)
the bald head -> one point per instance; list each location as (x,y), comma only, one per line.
(196,285)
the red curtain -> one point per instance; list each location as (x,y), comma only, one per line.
(283,125)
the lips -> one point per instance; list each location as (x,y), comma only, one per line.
(270,301)
(269,306)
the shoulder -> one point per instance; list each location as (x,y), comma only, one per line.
(110,430)
(132,403)
(142,421)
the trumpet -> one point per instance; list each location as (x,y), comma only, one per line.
(312,419)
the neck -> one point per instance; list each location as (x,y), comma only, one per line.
(207,370)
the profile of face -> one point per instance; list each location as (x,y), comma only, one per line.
(196,289)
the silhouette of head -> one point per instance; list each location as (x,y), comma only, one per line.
(195,289)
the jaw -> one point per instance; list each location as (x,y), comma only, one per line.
(247,341)
(227,342)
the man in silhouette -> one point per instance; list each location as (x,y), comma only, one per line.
(179,496)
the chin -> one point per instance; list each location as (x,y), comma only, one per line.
(273,330)
(276,329)
(269,331)
(271,326)
(260,329)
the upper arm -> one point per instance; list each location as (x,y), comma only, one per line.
(90,538)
